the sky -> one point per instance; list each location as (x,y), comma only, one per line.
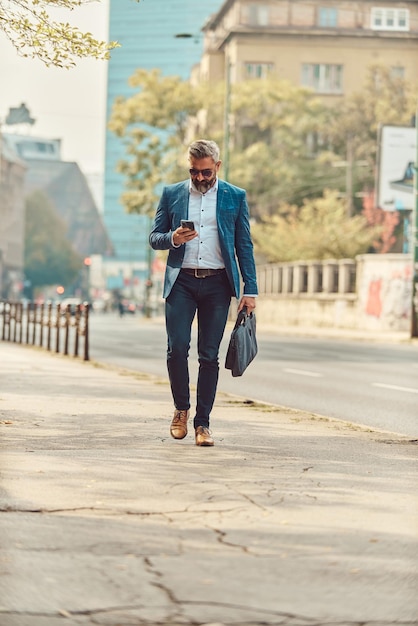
(67,104)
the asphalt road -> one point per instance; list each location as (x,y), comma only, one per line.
(368,383)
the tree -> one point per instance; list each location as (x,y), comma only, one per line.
(271,156)
(284,142)
(320,229)
(152,124)
(49,257)
(387,220)
(34,33)
(384,98)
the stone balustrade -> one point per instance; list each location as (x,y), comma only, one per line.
(372,291)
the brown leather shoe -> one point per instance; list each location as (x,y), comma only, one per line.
(178,427)
(203,436)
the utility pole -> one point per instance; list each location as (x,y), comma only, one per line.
(227,114)
(350,163)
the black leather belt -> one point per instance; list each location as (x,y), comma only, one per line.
(201,273)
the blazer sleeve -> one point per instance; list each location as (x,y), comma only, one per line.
(244,249)
(161,234)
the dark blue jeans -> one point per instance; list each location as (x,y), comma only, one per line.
(211,298)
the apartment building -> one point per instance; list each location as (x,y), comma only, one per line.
(324,45)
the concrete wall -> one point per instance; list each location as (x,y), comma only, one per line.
(373,292)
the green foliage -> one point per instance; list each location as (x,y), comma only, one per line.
(270,157)
(285,148)
(152,124)
(277,167)
(33,32)
(49,256)
(382,99)
(320,229)
(271,179)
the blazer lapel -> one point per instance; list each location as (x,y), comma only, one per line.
(184,197)
(222,199)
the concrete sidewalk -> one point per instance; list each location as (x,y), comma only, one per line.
(289,519)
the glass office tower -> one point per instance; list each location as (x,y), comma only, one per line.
(147,34)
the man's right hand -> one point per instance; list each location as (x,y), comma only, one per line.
(183,235)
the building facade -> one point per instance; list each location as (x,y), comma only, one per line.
(67,189)
(149,36)
(323,45)
(12,221)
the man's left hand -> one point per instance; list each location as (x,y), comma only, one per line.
(247,301)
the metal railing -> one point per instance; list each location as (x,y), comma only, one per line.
(46,325)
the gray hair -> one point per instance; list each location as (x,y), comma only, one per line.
(203,148)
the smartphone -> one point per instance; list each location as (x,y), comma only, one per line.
(187,224)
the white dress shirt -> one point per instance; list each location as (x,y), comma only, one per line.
(204,251)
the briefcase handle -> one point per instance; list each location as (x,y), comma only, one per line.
(242,316)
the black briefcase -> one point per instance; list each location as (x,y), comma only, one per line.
(242,345)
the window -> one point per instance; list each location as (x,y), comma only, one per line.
(43,147)
(389,19)
(258,70)
(322,77)
(327,17)
(258,15)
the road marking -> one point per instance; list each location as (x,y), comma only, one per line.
(395,387)
(302,372)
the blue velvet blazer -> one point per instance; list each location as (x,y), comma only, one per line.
(233,227)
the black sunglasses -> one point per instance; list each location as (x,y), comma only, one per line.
(205,173)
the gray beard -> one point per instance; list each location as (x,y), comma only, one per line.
(204,185)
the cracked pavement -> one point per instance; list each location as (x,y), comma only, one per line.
(290,519)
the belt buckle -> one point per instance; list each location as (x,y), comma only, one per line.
(197,275)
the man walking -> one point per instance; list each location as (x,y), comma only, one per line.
(201,276)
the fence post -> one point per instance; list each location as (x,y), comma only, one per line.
(3,314)
(58,326)
(14,314)
(86,331)
(67,327)
(8,322)
(77,328)
(41,326)
(28,314)
(35,319)
(20,322)
(48,337)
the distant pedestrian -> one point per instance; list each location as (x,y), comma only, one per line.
(201,276)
